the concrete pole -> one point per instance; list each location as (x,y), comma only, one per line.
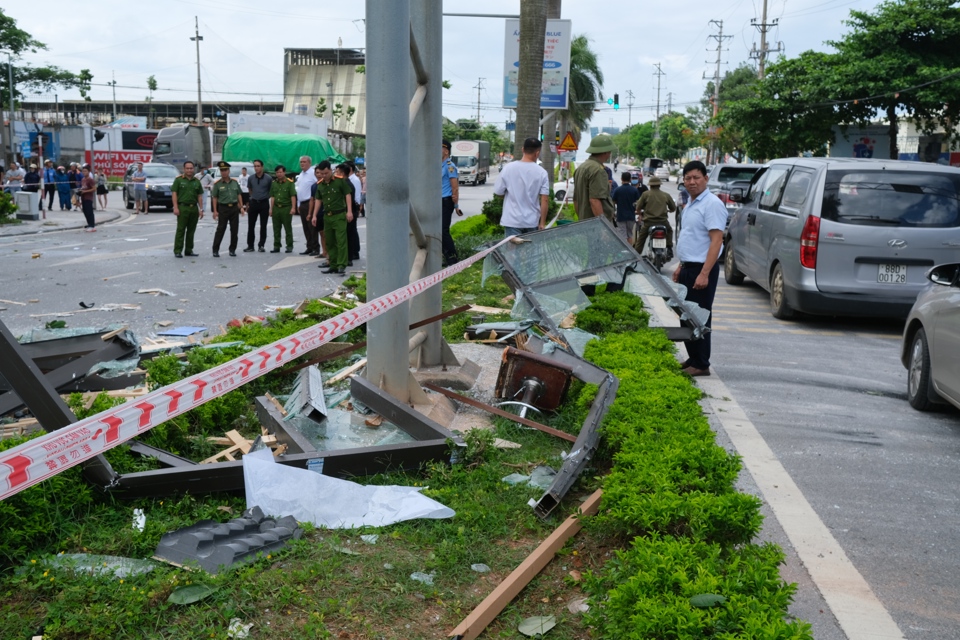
(388,189)
(425,137)
(197,38)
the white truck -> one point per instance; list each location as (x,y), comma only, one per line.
(472,158)
(276,123)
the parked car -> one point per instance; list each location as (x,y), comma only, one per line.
(663,173)
(931,341)
(723,177)
(563,189)
(160,177)
(843,236)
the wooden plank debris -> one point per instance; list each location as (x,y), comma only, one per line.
(349,371)
(22,304)
(226,285)
(488,310)
(487,611)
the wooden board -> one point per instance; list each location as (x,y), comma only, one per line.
(487,611)
(349,371)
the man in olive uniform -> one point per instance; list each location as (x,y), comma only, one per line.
(653,208)
(227,208)
(591,187)
(283,206)
(187,206)
(334,195)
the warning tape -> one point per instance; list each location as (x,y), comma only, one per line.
(46,456)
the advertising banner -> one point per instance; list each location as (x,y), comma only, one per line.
(555,88)
(115,163)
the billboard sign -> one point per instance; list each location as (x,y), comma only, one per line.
(555,87)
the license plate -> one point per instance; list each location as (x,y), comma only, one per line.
(892,274)
(659,243)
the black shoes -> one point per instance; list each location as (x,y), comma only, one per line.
(191,254)
(290,250)
(306,253)
(233,254)
(314,253)
(324,264)
(334,271)
(248,250)
(275,250)
(178,255)
(260,249)
(216,254)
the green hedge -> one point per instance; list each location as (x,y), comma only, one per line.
(671,497)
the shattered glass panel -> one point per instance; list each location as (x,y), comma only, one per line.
(490,268)
(565,251)
(640,284)
(347,430)
(40,335)
(560,299)
(114,368)
(577,339)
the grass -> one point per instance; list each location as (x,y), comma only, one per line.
(332,584)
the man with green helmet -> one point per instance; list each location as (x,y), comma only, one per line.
(591,186)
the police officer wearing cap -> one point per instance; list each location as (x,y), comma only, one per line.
(187,206)
(227,208)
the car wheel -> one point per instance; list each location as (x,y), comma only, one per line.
(731,274)
(560,194)
(128,201)
(919,385)
(778,296)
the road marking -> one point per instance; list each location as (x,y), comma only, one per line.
(853,603)
(96,257)
(286,263)
(882,336)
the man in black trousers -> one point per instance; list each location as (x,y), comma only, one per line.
(259,208)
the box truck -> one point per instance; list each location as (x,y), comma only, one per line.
(472,158)
(181,142)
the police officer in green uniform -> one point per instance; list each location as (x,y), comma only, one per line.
(653,207)
(591,186)
(334,196)
(283,206)
(227,208)
(187,206)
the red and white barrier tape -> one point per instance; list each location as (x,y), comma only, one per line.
(46,456)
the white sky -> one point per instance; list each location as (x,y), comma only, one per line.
(243,44)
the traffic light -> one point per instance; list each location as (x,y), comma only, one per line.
(610,101)
(616,101)
(98,135)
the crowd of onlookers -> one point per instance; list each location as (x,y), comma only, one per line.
(64,182)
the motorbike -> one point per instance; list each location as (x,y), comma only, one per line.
(657,252)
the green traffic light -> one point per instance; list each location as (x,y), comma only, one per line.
(609,100)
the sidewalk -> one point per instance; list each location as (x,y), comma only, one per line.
(60,221)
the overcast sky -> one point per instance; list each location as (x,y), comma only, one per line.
(242,49)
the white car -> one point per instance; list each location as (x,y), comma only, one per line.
(563,189)
(663,173)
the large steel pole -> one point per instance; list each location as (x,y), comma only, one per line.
(425,137)
(388,189)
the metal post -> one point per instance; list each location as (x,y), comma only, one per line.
(197,38)
(13,131)
(388,144)
(114,85)
(425,137)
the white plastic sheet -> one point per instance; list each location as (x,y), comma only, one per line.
(330,502)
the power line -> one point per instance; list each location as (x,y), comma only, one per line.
(761,54)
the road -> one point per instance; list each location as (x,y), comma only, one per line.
(826,395)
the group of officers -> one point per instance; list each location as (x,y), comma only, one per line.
(327,201)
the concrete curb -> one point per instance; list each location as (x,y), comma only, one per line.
(58,221)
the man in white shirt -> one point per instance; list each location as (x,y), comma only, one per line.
(244,188)
(305,180)
(525,189)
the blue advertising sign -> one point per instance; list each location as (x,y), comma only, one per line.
(555,86)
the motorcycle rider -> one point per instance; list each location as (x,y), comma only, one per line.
(654,207)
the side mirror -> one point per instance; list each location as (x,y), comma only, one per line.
(945,274)
(736,195)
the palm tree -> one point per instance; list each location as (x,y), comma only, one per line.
(586,80)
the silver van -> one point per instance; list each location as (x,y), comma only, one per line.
(843,236)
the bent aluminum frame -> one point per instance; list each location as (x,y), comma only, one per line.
(432,442)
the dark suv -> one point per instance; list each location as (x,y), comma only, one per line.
(160,178)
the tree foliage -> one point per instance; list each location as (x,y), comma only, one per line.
(466,129)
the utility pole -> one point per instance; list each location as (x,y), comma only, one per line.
(716,75)
(197,38)
(670,102)
(656,131)
(13,131)
(479,87)
(629,108)
(113,84)
(761,55)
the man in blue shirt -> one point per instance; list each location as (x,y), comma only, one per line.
(625,196)
(450,192)
(49,183)
(139,178)
(698,248)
